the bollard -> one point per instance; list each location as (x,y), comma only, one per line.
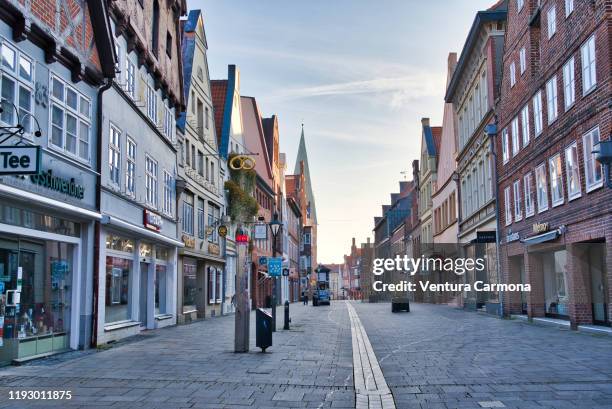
(287,319)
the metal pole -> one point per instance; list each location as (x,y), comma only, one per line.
(241,326)
(274,287)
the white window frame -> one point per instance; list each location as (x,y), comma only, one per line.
(508,207)
(169,126)
(188,218)
(512,74)
(130,77)
(552,100)
(516,144)
(528,191)
(590,163)
(525,125)
(82,119)
(538,120)
(569,7)
(519,5)
(168,193)
(569,84)
(589,65)
(130,167)
(551,21)
(152,104)
(555,167)
(572,170)
(523,60)
(541,188)
(20,82)
(505,147)
(516,190)
(151,186)
(114,155)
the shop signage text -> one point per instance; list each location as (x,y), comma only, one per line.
(20,160)
(510,237)
(486,237)
(58,183)
(152,220)
(188,241)
(214,249)
(540,227)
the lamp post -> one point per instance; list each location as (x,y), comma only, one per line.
(275,227)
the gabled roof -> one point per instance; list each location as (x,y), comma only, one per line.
(497,12)
(218,90)
(254,137)
(432,135)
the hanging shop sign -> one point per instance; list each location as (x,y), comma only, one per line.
(261,231)
(222,230)
(214,249)
(151,220)
(188,241)
(58,183)
(20,160)
(540,227)
(275,266)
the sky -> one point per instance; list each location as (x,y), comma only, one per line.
(359,74)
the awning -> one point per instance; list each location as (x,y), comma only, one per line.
(544,237)
(113,221)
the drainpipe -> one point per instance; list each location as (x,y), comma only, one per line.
(491,131)
(96,252)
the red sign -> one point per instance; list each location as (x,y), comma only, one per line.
(242,238)
(152,220)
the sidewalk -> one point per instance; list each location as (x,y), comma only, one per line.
(194,366)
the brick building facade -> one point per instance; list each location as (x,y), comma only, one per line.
(554,209)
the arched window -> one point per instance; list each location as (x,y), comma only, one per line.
(155,33)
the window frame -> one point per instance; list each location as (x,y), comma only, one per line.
(152,189)
(538,114)
(551,23)
(516,144)
(505,146)
(552,100)
(593,185)
(554,162)
(569,170)
(569,84)
(168,193)
(507,206)
(114,155)
(592,63)
(542,207)
(130,167)
(14,74)
(525,125)
(512,74)
(528,194)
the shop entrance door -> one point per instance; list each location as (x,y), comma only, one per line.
(143,291)
(599,284)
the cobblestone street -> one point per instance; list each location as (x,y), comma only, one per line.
(433,357)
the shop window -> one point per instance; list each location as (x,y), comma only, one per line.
(593,171)
(16,87)
(190,287)
(556,180)
(16,216)
(70,120)
(212,285)
(160,289)
(218,282)
(145,250)
(119,244)
(118,289)
(572,171)
(555,283)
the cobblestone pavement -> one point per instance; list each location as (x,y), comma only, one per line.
(440,357)
(193,366)
(433,357)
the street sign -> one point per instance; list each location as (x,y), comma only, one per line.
(261,231)
(275,266)
(263,260)
(285,272)
(20,160)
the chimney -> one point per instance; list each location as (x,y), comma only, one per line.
(452,63)
(425,121)
(353,242)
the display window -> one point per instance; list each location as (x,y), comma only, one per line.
(190,287)
(555,284)
(35,297)
(118,289)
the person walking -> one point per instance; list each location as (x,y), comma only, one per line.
(304,298)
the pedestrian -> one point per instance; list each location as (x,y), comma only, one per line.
(304,298)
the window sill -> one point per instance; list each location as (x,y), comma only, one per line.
(594,187)
(163,317)
(120,325)
(190,311)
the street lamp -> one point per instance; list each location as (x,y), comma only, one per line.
(603,154)
(275,227)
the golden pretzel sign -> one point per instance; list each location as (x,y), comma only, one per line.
(241,162)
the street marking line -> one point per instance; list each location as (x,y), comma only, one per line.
(371,389)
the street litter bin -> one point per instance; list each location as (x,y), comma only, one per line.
(263,329)
(400,304)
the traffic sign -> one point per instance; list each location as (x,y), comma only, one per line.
(263,260)
(275,266)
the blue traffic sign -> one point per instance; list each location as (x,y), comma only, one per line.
(263,260)
(275,266)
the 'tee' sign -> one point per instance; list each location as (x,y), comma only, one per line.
(20,160)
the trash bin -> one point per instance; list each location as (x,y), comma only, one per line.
(400,304)
(263,329)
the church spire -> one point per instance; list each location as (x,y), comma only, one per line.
(302,156)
